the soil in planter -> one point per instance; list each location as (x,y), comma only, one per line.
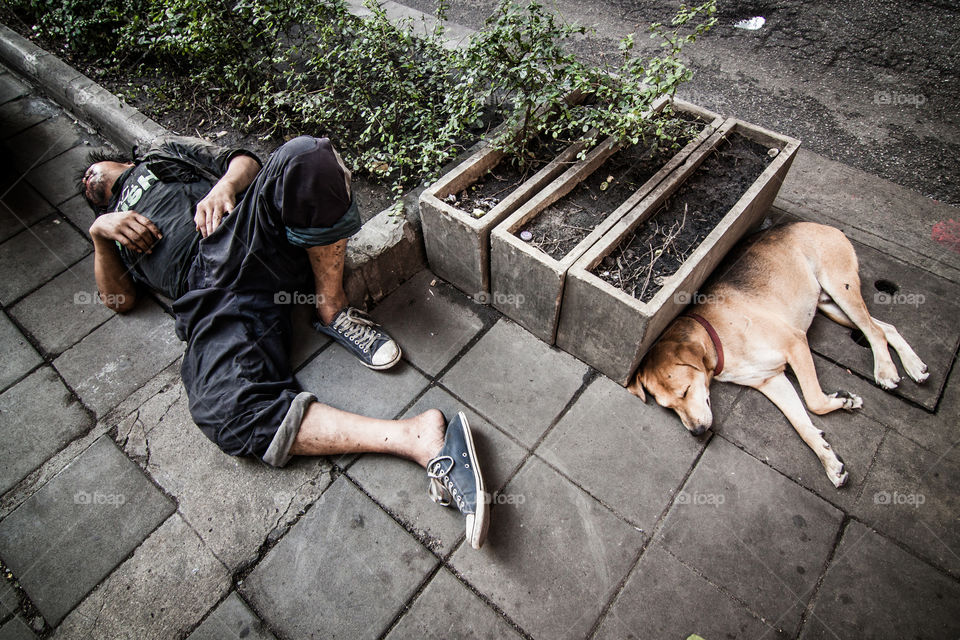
(561,226)
(495,185)
(655,250)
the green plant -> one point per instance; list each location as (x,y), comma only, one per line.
(87,27)
(524,49)
(519,61)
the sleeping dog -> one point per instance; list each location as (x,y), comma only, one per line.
(753,322)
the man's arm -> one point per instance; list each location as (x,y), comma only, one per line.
(134,231)
(223,196)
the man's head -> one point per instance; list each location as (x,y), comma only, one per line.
(96,182)
(675,373)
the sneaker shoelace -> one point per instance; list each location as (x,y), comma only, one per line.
(438,474)
(359,330)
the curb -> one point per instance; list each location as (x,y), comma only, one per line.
(386,251)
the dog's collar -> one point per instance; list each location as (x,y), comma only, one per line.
(714,338)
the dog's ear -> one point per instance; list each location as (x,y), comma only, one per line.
(636,387)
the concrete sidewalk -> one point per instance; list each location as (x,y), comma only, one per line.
(118,519)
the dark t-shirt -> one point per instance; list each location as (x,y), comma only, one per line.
(165,186)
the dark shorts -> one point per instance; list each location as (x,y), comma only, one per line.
(235,316)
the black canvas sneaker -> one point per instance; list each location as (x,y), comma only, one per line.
(363,337)
(455,479)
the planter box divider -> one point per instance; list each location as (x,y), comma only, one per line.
(526,283)
(610,329)
(457,243)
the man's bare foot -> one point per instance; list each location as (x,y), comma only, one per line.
(428,429)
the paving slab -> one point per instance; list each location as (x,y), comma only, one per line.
(554,556)
(305,341)
(344,570)
(19,115)
(911,496)
(35,255)
(665,599)
(11,87)
(120,356)
(432,323)
(757,426)
(338,379)
(938,431)
(77,211)
(515,380)
(40,416)
(16,629)
(19,356)
(46,140)
(740,524)
(68,536)
(632,456)
(20,204)
(232,619)
(874,589)
(923,307)
(48,178)
(448,609)
(400,486)
(64,310)
(232,503)
(161,591)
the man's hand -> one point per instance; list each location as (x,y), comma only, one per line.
(223,196)
(134,231)
(212,209)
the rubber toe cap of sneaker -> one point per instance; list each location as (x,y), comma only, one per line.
(387,355)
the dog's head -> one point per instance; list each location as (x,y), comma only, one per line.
(675,374)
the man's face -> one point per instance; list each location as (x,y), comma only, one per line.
(98,182)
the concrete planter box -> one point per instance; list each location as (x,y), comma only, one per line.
(457,243)
(610,329)
(526,283)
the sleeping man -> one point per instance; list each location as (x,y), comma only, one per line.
(228,239)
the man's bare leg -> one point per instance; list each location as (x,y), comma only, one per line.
(327,265)
(328,431)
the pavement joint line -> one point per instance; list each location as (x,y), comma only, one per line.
(767,464)
(719,587)
(807,612)
(607,606)
(650,537)
(487,601)
(56,215)
(240,574)
(409,602)
(397,519)
(73,525)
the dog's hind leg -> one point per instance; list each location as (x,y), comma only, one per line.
(801,361)
(842,283)
(779,390)
(912,363)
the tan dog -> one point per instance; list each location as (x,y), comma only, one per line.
(752,323)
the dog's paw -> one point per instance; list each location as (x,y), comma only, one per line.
(888,383)
(840,479)
(917,371)
(851,401)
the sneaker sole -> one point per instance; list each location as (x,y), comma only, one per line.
(479,523)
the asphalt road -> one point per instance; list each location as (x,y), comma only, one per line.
(870,84)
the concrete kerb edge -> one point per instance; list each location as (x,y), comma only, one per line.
(392,246)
